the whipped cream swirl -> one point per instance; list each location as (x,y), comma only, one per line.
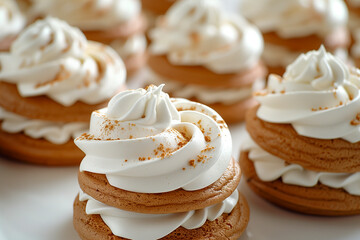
(296,18)
(54,132)
(150,147)
(51,58)
(12,20)
(317,95)
(202,33)
(90,14)
(270,168)
(154,226)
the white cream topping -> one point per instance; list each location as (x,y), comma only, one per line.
(207,95)
(296,18)
(129,47)
(270,168)
(317,95)
(140,226)
(90,14)
(51,58)
(150,147)
(54,132)
(202,33)
(11,19)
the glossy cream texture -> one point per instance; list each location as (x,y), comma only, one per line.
(296,18)
(151,147)
(318,96)
(90,15)
(201,33)
(270,168)
(54,59)
(140,226)
(12,20)
(57,133)
(206,95)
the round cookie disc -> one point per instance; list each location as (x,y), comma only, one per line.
(317,200)
(281,140)
(227,226)
(232,113)
(201,76)
(43,108)
(39,151)
(97,186)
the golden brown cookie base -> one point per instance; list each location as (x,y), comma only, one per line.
(232,113)
(39,151)
(43,108)
(340,38)
(97,186)
(158,7)
(318,200)
(135,62)
(281,140)
(227,226)
(279,70)
(198,75)
(123,31)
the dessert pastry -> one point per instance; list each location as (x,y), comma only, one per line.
(207,55)
(155,8)
(304,138)
(354,26)
(50,82)
(12,22)
(118,23)
(158,168)
(296,26)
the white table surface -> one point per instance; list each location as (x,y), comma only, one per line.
(36,204)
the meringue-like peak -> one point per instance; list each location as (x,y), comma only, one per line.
(318,95)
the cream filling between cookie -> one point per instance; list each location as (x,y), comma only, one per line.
(54,132)
(138,226)
(270,168)
(226,96)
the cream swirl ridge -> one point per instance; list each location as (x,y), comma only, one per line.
(90,15)
(297,18)
(11,19)
(159,150)
(202,33)
(317,95)
(154,226)
(51,58)
(270,168)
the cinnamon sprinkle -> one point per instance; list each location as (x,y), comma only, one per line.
(60,76)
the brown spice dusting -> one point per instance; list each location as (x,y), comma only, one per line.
(183,169)
(207,138)
(192,163)
(356,121)
(142,159)
(131,137)
(126,160)
(60,76)
(260,93)
(282,91)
